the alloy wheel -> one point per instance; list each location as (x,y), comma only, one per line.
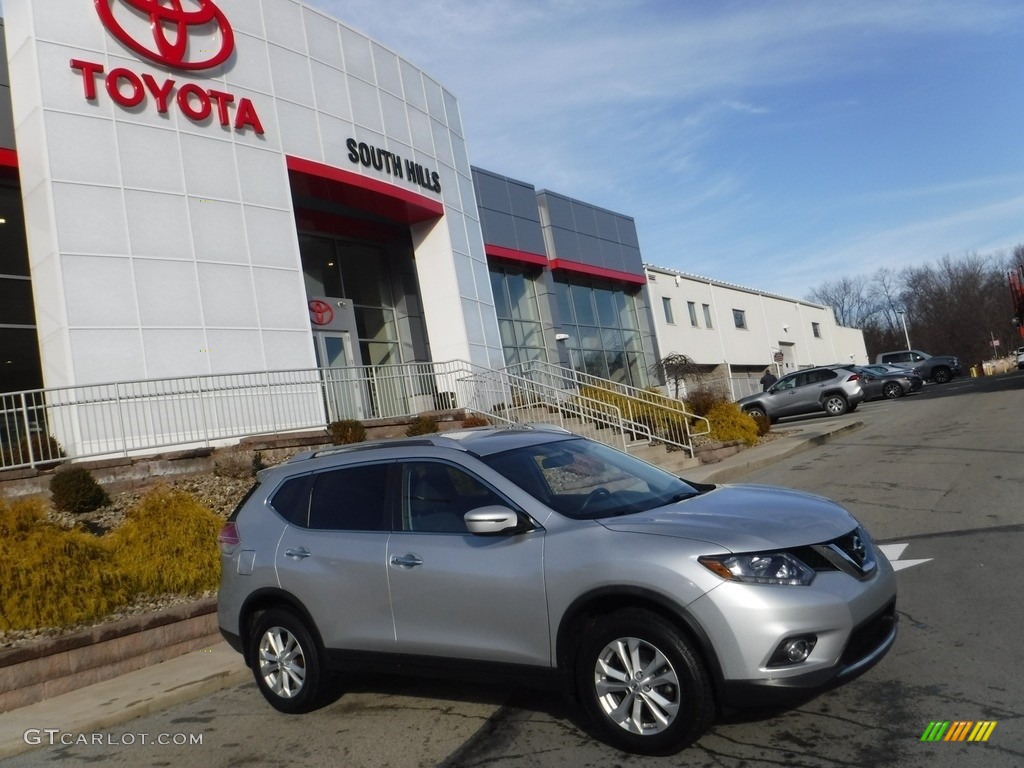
(636,686)
(282,662)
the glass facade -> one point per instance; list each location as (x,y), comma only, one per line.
(357,272)
(604,330)
(515,300)
(19,344)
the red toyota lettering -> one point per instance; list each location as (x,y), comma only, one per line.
(122,75)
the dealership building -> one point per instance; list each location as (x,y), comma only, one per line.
(241,186)
(211,187)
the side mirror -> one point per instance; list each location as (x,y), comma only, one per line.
(493,520)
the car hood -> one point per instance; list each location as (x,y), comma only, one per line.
(744,518)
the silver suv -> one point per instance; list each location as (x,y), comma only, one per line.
(539,556)
(835,390)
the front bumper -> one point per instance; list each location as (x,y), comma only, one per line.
(852,620)
(868,645)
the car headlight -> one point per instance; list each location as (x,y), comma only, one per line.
(760,568)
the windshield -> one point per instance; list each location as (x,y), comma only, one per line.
(584,479)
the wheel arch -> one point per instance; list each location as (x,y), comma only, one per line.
(605,601)
(263,600)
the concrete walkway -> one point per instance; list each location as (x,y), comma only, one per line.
(200,673)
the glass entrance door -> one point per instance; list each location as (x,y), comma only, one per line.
(343,391)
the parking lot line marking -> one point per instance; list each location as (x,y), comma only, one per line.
(892,553)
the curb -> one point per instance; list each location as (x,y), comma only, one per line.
(742,463)
(51,667)
(113,702)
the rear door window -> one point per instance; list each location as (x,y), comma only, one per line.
(351,499)
(291,500)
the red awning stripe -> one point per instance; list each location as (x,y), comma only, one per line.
(362,192)
(511,254)
(589,269)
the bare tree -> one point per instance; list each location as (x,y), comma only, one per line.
(851,298)
(954,306)
(674,368)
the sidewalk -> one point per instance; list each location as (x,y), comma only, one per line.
(200,673)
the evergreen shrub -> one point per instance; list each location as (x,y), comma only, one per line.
(75,490)
(422,425)
(347,431)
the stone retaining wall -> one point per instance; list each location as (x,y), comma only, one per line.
(47,668)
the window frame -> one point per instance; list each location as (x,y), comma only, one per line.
(666,306)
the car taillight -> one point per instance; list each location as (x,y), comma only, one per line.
(228,538)
(854,377)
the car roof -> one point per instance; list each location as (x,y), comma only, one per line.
(479,441)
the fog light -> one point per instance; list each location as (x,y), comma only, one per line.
(793,650)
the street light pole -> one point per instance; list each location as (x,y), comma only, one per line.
(903,319)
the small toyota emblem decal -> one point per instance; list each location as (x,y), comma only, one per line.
(320,312)
(172,28)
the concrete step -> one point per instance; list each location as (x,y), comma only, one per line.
(659,455)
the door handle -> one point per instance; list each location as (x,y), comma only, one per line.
(297,553)
(406,561)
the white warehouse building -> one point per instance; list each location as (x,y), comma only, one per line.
(733,333)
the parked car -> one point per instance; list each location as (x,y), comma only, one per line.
(1020,358)
(878,382)
(887,368)
(539,556)
(834,390)
(938,368)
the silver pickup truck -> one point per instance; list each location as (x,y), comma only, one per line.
(937,368)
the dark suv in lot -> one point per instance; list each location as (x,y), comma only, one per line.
(938,368)
(835,390)
(537,556)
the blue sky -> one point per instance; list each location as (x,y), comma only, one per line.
(771,144)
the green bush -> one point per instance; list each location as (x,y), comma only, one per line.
(661,415)
(50,576)
(238,465)
(702,400)
(729,423)
(422,425)
(75,490)
(168,543)
(347,431)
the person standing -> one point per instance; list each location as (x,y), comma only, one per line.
(768,379)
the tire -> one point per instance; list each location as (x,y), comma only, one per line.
(836,405)
(757,413)
(619,654)
(892,390)
(942,375)
(286,663)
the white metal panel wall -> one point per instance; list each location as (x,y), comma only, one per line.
(161,246)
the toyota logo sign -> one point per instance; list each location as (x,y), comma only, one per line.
(320,312)
(172,28)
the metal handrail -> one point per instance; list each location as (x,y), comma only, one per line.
(669,421)
(46,426)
